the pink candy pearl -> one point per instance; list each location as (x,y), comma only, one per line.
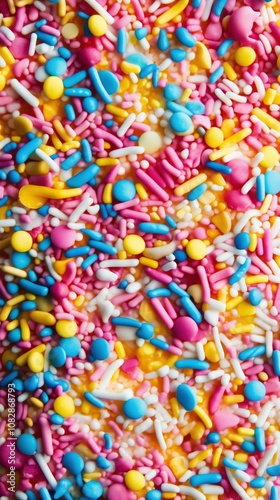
(89,56)
(119,491)
(185,328)
(59,290)
(240,172)
(63,237)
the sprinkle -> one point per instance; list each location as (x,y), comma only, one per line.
(24,93)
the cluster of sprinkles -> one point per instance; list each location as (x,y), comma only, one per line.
(140,260)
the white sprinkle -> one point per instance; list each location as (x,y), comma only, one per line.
(127,151)
(2,64)
(266,43)
(150,475)
(111,36)
(225,379)
(126,125)
(236,155)
(237,368)
(242,475)
(108,374)
(212,489)
(269,343)
(51,270)
(223,97)
(21,496)
(260,87)
(244,219)
(28,29)
(124,454)
(159,435)
(51,163)
(45,469)
(236,486)
(260,314)
(7,222)
(198,79)
(264,414)
(24,93)
(231,85)
(133,287)
(236,97)
(40,5)
(207,10)
(100,10)
(192,492)
(80,209)
(144,426)
(172,488)
(154,6)
(114,396)
(163,371)
(119,263)
(248,185)
(266,460)
(32,45)
(8,33)
(55,212)
(106,275)
(165,64)
(200,351)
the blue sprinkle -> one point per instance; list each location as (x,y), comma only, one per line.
(155,78)
(8,378)
(57,419)
(176,288)
(21,260)
(71,160)
(102,247)
(186,396)
(260,187)
(241,271)
(172,92)
(90,104)
(71,346)
(195,193)
(72,80)
(153,495)
(141,33)
(163,42)
(86,150)
(213,437)
(77,252)
(122,39)
(177,108)
(45,244)
(12,288)
(146,331)
(14,177)
(44,397)
(46,332)
(233,464)
(260,439)
(159,292)
(192,364)
(96,82)
(3,201)
(56,66)
(184,37)
(25,151)
(219,6)
(82,177)
(211,478)
(14,314)
(77,92)
(65,53)
(109,81)
(216,74)
(31,383)
(195,107)
(91,233)
(196,3)
(83,15)
(44,210)
(276,362)
(258,482)
(252,352)
(103,210)
(32,276)
(108,441)
(223,48)
(274,470)
(134,138)
(147,70)
(242,240)
(248,447)
(40,23)
(11,146)
(218,167)
(153,228)
(178,55)
(102,462)
(191,309)
(93,490)
(134,408)
(91,259)
(171,222)
(57,356)
(31,495)
(159,343)
(93,400)
(120,320)
(46,38)
(61,489)
(33,287)
(123,284)
(255,297)
(45,494)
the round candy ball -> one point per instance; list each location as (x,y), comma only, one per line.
(73,462)
(214,137)
(93,490)
(97,25)
(21,241)
(134,480)
(185,328)
(90,104)
(255,297)
(150,141)
(100,349)
(245,56)
(146,331)
(242,241)
(124,190)
(57,356)
(27,444)
(134,244)
(56,66)
(66,328)
(22,125)
(153,495)
(270,156)
(255,391)
(20,260)
(186,397)
(196,249)
(53,87)
(64,406)
(71,346)
(135,408)
(59,290)
(172,92)
(180,255)
(63,237)
(180,123)
(109,81)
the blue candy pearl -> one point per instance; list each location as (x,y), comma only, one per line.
(56,66)
(146,331)
(27,444)
(134,408)
(92,490)
(255,391)
(90,104)
(186,397)
(272,182)
(57,356)
(109,81)
(172,92)
(178,55)
(242,241)
(255,297)
(124,190)
(20,259)
(100,349)
(71,346)
(180,122)
(180,255)
(73,462)
(153,495)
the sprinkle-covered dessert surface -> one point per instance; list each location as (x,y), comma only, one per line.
(139,249)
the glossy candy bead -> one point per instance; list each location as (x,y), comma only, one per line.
(153,495)
(26,444)
(100,349)
(134,244)
(180,123)
(103,463)
(255,297)
(124,190)
(57,356)
(64,406)
(184,37)
(185,328)
(180,255)
(66,328)
(186,397)
(245,56)
(56,66)
(214,137)
(92,490)
(90,104)
(163,42)
(196,249)
(134,480)
(20,260)
(71,346)
(151,141)
(255,391)
(178,55)
(97,25)
(109,81)
(53,87)
(172,92)
(146,331)
(135,408)
(73,462)
(21,241)
(242,241)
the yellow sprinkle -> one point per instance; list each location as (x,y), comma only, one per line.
(269,96)
(62,8)
(37,402)
(7,55)
(252,280)
(253,243)
(79,301)
(14,271)
(168,495)
(237,137)
(70,145)
(197,431)
(21,360)
(61,130)
(105,162)
(233,303)
(178,465)
(29,421)
(172,360)
(56,141)
(91,475)
(216,457)
(267,119)
(169,14)
(222,221)
(203,416)
(148,262)
(116,111)
(241,457)
(12,325)
(229,71)
(226,442)
(263,376)
(235,398)
(245,431)
(5,313)
(35,362)
(16,300)
(175,407)
(235,437)
(266,204)
(245,309)
(107,193)
(187,186)
(216,155)
(45,318)
(239,328)
(128,68)
(141,191)
(25,330)
(202,455)
(119,349)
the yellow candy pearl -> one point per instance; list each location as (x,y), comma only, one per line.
(150,141)
(211,352)
(64,406)
(21,241)
(35,362)
(134,480)
(214,137)
(53,87)
(271,156)
(22,125)
(245,56)
(134,244)
(66,328)
(97,25)
(196,249)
